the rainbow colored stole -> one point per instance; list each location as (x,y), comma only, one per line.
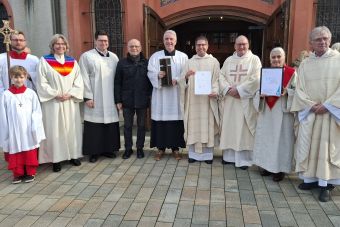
(63,69)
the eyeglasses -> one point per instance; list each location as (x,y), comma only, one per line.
(134,46)
(18,40)
(60,44)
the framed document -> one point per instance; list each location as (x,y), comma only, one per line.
(165,65)
(202,83)
(271,81)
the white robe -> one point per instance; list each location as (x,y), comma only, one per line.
(318,146)
(21,127)
(98,75)
(201,118)
(61,119)
(165,102)
(30,64)
(274,135)
(238,119)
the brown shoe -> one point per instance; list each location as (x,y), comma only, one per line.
(176,155)
(159,155)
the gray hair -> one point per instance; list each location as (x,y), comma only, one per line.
(172,32)
(278,50)
(54,40)
(336,46)
(320,30)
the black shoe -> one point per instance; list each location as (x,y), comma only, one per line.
(127,154)
(308,186)
(244,167)
(75,162)
(191,160)
(109,155)
(265,173)
(324,195)
(278,176)
(29,178)
(56,167)
(208,161)
(226,163)
(140,153)
(93,158)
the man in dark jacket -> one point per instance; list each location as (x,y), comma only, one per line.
(132,94)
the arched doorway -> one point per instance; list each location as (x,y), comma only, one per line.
(221,33)
(108,17)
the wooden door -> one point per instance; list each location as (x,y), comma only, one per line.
(276,32)
(154,29)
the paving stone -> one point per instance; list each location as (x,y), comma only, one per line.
(50,188)
(180,171)
(229,172)
(296,205)
(104,190)
(202,198)
(99,180)
(122,206)
(167,213)
(185,209)
(244,184)
(157,171)
(173,196)
(217,182)
(232,199)
(335,220)
(14,205)
(125,181)
(217,212)
(94,222)
(74,178)
(217,195)
(163,224)
(177,182)
(170,169)
(28,220)
(259,187)
(7,199)
(200,215)
(112,220)
(310,202)
(191,181)
(217,223)
(132,191)
(79,220)
(144,195)
(278,199)
(285,217)
(188,193)
(272,186)
(151,181)
(114,178)
(2,217)
(303,219)
(165,179)
(13,218)
(320,218)
(139,178)
(115,194)
(33,202)
(61,191)
(193,169)
(230,185)
(287,188)
(88,192)
(330,208)
(61,204)
(153,208)
(159,192)
(182,222)
(47,219)
(77,189)
(247,197)
(146,168)
(147,221)
(250,214)
(73,208)
(269,219)
(92,205)
(263,202)
(43,207)
(103,210)
(135,211)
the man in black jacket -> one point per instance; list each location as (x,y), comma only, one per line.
(132,94)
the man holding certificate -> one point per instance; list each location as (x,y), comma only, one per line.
(164,70)
(199,90)
(239,80)
(274,136)
(317,100)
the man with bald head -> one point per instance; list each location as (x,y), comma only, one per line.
(132,95)
(317,101)
(239,80)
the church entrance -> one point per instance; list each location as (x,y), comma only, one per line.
(221,33)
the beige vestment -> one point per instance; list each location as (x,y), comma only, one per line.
(201,118)
(318,143)
(238,119)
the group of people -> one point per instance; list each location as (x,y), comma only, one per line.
(248,126)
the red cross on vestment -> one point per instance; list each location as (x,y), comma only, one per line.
(238,72)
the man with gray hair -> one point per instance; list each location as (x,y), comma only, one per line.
(317,101)
(167,127)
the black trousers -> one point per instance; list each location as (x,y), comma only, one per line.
(128,114)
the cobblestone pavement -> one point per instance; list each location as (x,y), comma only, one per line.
(143,192)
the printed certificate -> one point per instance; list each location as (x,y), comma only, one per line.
(271,81)
(202,83)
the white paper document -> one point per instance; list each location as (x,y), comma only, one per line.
(202,83)
(271,81)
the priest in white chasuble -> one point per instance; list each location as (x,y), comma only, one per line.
(101,122)
(317,100)
(60,88)
(239,80)
(274,135)
(167,127)
(201,118)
